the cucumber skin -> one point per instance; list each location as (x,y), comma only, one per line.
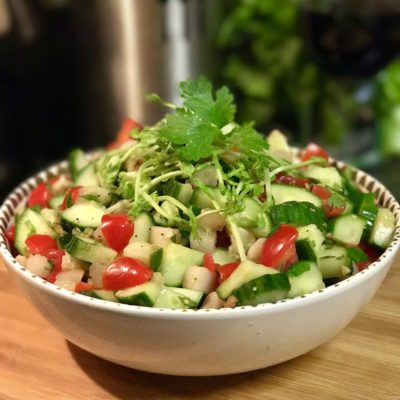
(298,214)
(305,250)
(248,293)
(145,297)
(90,251)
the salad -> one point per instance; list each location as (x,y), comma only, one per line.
(199,211)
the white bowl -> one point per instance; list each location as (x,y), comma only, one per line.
(200,342)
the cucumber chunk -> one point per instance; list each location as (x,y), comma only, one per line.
(140,250)
(245,272)
(347,229)
(143,223)
(201,199)
(96,193)
(30,222)
(89,250)
(264,226)
(304,277)
(222,256)
(383,229)
(84,215)
(298,214)
(101,294)
(178,298)
(309,242)
(264,289)
(56,202)
(77,162)
(328,176)
(145,294)
(181,191)
(285,193)
(248,217)
(333,261)
(87,177)
(175,260)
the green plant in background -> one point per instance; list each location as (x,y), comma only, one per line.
(278,83)
(387,108)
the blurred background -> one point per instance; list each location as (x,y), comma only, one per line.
(320,70)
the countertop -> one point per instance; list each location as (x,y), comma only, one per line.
(362,362)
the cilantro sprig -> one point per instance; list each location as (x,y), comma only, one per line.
(200,133)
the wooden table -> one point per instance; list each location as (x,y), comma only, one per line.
(362,362)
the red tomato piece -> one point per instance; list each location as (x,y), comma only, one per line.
(71,197)
(56,257)
(279,249)
(125,272)
(372,253)
(79,287)
(292,180)
(313,150)
(10,234)
(226,270)
(40,196)
(40,244)
(324,194)
(124,134)
(208,262)
(117,229)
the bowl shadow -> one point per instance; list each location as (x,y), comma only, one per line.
(127,383)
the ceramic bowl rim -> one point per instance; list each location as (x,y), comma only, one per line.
(10,205)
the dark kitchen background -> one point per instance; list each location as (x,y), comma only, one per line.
(323,70)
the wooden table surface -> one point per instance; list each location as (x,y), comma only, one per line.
(362,362)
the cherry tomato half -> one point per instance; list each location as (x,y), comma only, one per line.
(125,272)
(56,257)
(208,262)
(279,249)
(71,197)
(372,253)
(40,196)
(324,194)
(80,286)
(117,229)
(292,180)
(313,150)
(40,244)
(226,270)
(10,234)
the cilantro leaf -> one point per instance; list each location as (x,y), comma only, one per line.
(193,136)
(198,97)
(357,255)
(246,140)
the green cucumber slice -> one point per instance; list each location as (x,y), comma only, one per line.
(264,289)
(383,229)
(245,272)
(30,222)
(84,215)
(298,214)
(347,229)
(144,295)
(89,250)
(285,193)
(304,277)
